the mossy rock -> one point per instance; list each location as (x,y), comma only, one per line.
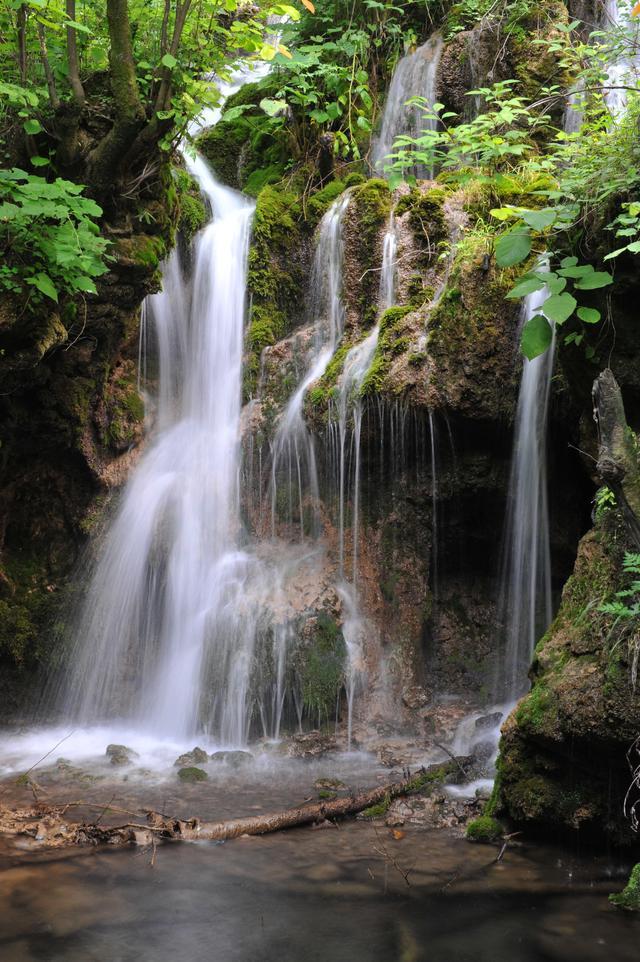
(484,829)
(191,774)
(245,148)
(197,756)
(191,210)
(563,752)
(275,279)
(629,898)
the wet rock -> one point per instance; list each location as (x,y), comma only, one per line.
(329,785)
(390,757)
(192,774)
(482,756)
(489,721)
(236,759)
(415,697)
(197,756)
(120,754)
(311,745)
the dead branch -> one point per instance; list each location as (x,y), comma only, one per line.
(48,825)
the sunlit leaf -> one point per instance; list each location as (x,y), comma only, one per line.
(536,337)
(559,307)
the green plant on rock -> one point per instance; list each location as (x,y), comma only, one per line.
(49,237)
(625,610)
(322,668)
(629,898)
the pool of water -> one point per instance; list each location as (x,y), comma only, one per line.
(351,894)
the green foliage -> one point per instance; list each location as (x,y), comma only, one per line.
(629,898)
(322,668)
(49,237)
(626,604)
(605,500)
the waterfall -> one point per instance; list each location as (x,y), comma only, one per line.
(416,75)
(348,403)
(170,563)
(293,460)
(525,602)
(625,68)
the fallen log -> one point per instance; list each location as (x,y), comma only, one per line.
(50,826)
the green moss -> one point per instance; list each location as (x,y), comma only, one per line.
(141,251)
(379,810)
(483,829)
(275,287)
(245,147)
(265,328)
(629,898)
(192,774)
(263,177)
(390,342)
(320,202)
(191,213)
(321,667)
(354,179)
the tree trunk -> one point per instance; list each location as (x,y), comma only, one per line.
(106,161)
(72,56)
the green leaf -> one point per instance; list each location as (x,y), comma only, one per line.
(527,286)
(83,283)
(74,25)
(556,284)
(559,307)
(576,271)
(502,213)
(568,262)
(44,284)
(512,248)
(169,61)
(589,315)
(32,127)
(536,337)
(539,219)
(273,107)
(40,161)
(594,281)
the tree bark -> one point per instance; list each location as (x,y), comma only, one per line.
(106,161)
(72,56)
(54,99)
(22,41)
(618,462)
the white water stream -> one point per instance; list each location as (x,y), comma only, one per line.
(525,605)
(415,76)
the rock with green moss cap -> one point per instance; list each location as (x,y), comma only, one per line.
(191,774)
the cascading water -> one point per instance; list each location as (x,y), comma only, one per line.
(293,460)
(157,601)
(349,404)
(624,71)
(415,76)
(525,604)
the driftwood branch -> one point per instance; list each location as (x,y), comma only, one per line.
(49,825)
